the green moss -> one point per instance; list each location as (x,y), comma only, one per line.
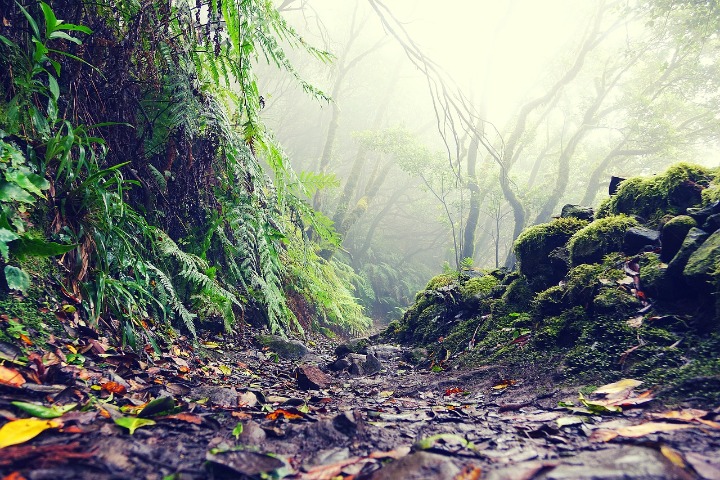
(598,239)
(561,331)
(653,277)
(442,280)
(674,232)
(518,295)
(534,245)
(478,286)
(672,192)
(581,283)
(617,301)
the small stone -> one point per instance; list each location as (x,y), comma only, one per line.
(346,423)
(219,396)
(310,377)
(416,356)
(340,364)
(252,434)
(357,362)
(712,224)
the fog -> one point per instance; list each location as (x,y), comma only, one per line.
(554,97)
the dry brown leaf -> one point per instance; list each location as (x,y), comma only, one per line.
(618,388)
(114,387)
(11,377)
(281,412)
(470,472)
(685,415)
(603,435)
(184,417)
(651,427)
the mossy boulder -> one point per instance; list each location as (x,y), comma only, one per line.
(285,348)
(601,237)
(672,192)
(442,280)
(535,244)
(654,279)
(704,263)
(694,238)
(476,287)
(673,233)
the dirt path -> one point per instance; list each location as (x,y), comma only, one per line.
(243,411)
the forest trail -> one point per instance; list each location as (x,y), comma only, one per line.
(240,410)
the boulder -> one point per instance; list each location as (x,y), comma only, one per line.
(358,345)
(637,239)
(700,214)
(673,234)
(703,263)
(577,211)
(310,377)
(712,224)
(285,348)
(694,238)
(363,364)
(601,237)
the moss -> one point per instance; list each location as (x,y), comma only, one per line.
(534,245)
(581,283)
(617,301)
(598,239)
(654,280)
(442,280)
(518,295)
(561,331)
(672,192)
(478,286)
(549,302)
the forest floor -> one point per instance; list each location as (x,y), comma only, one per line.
(235,409)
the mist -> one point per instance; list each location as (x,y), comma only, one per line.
(452,128)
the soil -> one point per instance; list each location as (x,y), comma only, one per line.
(230,408)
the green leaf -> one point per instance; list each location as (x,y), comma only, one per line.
(132,423)
(73,27)
(237,430)
(37,247)
(159,406)
(17,279)
(31,22)
(6,236)
(64,36)
(23,179)
(54,87)
(41,411)
(51,20)
(9,192)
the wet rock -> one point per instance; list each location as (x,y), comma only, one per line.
(416,356)
(242,462)
(637,238)
(712,224)
(310,377)
(694,238)
(340,364)
(285,348)
(356,363)
(701,214)
(703,262)
(358,345)
(577,211)
(673,233)
(219,396)
(418,466)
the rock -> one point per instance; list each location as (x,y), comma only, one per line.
(601,237)
(712,224)
(418,466)
(703,263)
(416,356)
(340,364)
(385,352)
(356,363)
(614,184)
(219,396)
(285,348)
(694,238)
(673,233)
(252,434)
(310,377)
(628,463)
(372,364)
(702,214)
(347,422)
(636,238)
(358,345)
(577,211)
(535,244)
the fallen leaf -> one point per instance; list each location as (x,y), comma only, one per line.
(385,394)
(184,417)
(14,475)
(651,427)
(673,455)
(20,431)
(453,391)
(133,423)
(281,412)
(225,369)
(618,387)
(685,415)
(114,387)
(603,435)
(504,384)
(159,406)
(569,421)
(42,411)
(470,472)
(11,377)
